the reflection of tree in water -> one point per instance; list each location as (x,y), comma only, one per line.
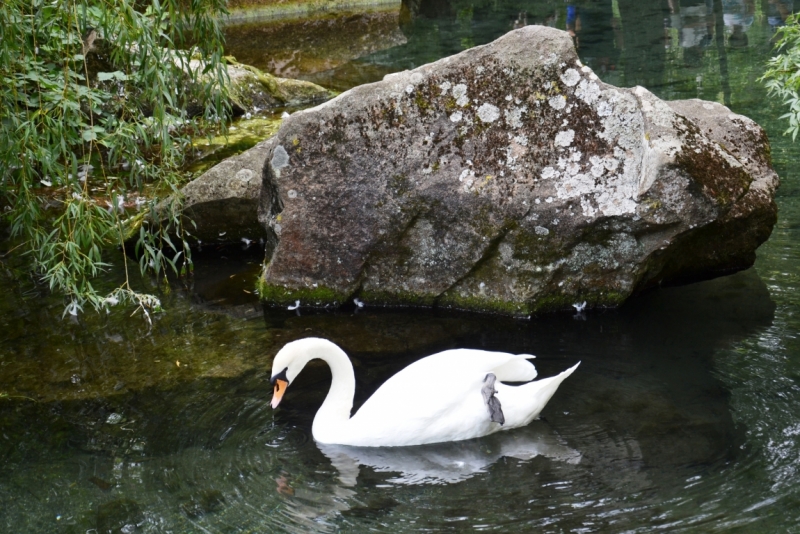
(738,16)
(777,11)
(596,31)
(627,42)
(692,27)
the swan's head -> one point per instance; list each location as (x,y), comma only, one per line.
(291,359)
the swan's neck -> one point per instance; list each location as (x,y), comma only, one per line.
(332,417)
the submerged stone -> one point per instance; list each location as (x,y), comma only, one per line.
(203,502)
(509,178)
(318,46)
(119,516)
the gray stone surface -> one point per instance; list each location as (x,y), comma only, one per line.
(509,178)
(223,202)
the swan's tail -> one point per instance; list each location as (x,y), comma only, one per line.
(530,399)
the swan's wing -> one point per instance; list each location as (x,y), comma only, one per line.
(506,367)
(447,376)
(517,369)
(437,398)
(419,410)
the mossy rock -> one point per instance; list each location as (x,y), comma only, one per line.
(251,88)
(502,181)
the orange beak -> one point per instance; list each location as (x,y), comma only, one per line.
(280,389)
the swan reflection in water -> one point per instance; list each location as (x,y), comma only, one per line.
(450,462)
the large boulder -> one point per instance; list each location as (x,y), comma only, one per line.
(509,178)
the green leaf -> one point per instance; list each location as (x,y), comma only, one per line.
(105,76)
(50,113)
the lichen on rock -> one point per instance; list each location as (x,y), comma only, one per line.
(504,180)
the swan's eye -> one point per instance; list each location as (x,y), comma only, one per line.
(280,376)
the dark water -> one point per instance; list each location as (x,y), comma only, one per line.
(684,414)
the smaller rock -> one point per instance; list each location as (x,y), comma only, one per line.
(119,516)
(100,483)
(223,202)
(202,503)
(251,88)
(114,419)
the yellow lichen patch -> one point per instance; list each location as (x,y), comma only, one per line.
(480,185)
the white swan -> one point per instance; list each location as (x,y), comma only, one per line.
(449,396)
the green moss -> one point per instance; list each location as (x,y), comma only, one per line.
(313,296)
(399,184)
(397,298)
(421,102)
(561,302)
(766,152)
(540,249)
(652,203)
(321,296)
(247,133)
(248,82)
(718,179)
(615,299)
(483,304)
(260,10)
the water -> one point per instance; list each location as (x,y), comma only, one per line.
(684,414)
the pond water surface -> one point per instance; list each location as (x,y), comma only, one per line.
(683,416)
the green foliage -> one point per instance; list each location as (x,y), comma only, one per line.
(98,99)
(782,77)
